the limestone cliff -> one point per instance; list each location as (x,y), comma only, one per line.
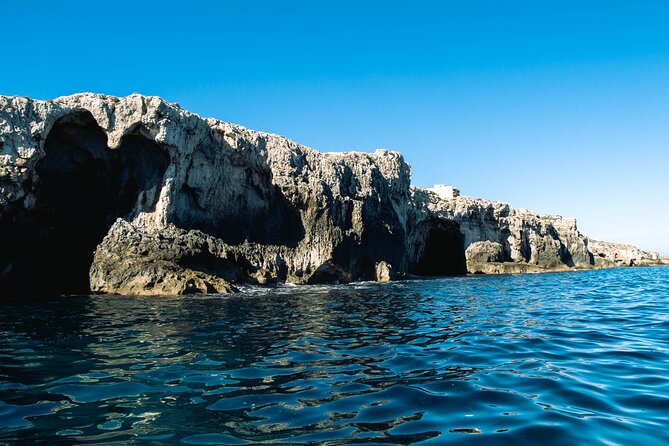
(498,238)
(135,195)
(607,254)
(69,168)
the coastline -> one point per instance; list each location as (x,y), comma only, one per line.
(135,195)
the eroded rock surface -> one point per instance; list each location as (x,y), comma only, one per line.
(607,254)
(504,234)
(69,168)
(135,195)
(484,252)
(149,261)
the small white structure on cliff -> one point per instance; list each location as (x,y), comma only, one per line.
(446,192)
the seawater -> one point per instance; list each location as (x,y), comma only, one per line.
(565,358)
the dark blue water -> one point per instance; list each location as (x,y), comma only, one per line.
(570,358)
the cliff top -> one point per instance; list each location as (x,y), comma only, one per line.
(146,106)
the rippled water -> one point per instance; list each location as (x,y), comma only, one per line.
(569,358)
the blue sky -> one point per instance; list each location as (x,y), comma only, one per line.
(560,107)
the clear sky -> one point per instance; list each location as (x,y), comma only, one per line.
(560,107)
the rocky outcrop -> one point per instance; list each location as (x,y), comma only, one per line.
(484,252)
(170,261)
(495,233)
(135,195)
(607,255)
(486,257)
(69,168)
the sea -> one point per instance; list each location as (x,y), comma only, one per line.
(572,358)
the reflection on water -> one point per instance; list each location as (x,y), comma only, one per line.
(567,358)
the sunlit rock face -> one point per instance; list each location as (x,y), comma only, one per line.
(523,240)
(71,167)
(607,254)
(135,195)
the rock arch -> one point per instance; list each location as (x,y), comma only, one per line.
(82,187)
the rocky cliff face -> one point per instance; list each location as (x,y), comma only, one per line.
(71,167)
(498,238)
(607,254)
(138,196)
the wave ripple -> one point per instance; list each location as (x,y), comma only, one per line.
(568,358)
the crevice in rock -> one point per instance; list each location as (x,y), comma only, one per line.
(565,256)
(83,187)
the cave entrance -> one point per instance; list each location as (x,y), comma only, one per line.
(443,253)
(83,188)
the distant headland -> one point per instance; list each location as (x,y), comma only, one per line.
(137,196)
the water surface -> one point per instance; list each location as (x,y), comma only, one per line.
(568,358)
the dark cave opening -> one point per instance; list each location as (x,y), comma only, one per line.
(83,188)
(140,166)
(443,253)
(283,225)
(276,221)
